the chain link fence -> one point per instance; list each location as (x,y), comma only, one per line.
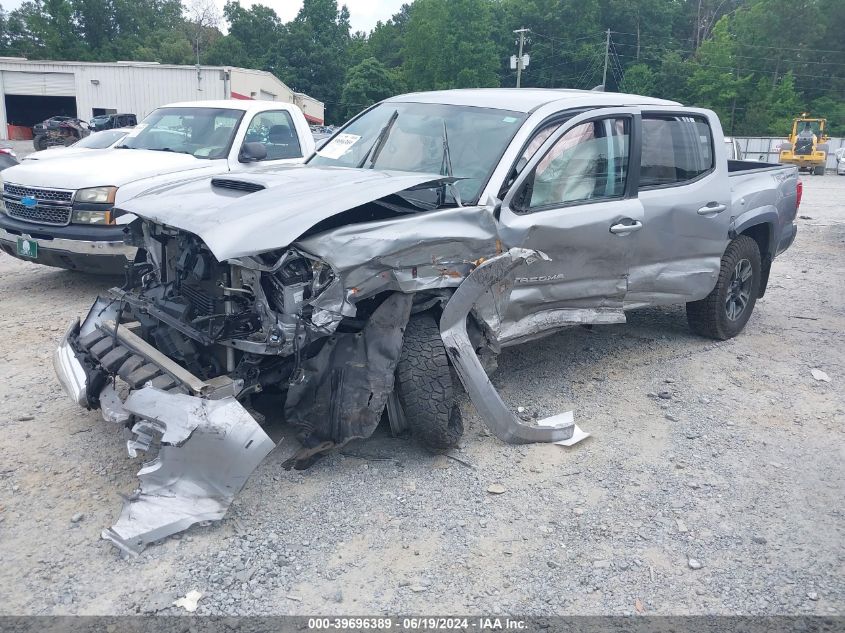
(767,148)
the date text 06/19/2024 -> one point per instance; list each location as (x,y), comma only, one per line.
(417,624)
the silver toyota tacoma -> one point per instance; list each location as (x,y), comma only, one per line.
(428,233)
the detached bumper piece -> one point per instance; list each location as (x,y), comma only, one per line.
(203,442)
(208,449)
(487,277)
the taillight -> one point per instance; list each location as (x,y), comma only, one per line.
(799,191)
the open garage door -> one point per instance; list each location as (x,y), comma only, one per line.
(26,111)
(39,84)
(32,97)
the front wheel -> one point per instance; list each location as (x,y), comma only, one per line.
(725,311)
(425,388)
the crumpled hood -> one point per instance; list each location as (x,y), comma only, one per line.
(294,199)
(100,167)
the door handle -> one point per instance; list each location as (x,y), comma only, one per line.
(712,208)
(625,229)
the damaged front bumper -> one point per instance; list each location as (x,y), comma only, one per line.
(207,443)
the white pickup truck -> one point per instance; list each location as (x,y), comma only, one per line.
(63,212)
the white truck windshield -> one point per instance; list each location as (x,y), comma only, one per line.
(201,132)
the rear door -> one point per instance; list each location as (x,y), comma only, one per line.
(686,197)
(576,202)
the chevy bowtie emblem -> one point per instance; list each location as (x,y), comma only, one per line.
(29,202)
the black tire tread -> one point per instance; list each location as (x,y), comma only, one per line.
(424,384)
(704,316)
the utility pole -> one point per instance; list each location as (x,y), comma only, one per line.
(519,64)
(606,58)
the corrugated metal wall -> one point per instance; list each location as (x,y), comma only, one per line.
(754,147)
(140,90)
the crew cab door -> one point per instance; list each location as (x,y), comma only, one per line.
(686,195)
(277,132)
(575,201)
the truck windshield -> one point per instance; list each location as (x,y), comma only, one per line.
(201,132)
(101,140)
(413,136)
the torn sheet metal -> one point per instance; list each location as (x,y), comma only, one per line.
(208,449)
(343,390)
(293,200)
(453,329)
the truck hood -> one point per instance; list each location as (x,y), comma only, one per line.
(100,167)
(293,199)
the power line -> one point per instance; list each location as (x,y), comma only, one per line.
(682,50)
(752,70)
(577,39)
(776,48)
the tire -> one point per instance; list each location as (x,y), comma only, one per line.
(425,387)
(39,143)
(716,315)
(818,171)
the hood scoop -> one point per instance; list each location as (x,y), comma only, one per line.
(236,185)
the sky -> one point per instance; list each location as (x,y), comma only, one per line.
(363,14)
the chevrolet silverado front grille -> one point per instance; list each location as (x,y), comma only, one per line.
(51,206)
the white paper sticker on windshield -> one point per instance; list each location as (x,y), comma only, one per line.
(136,130)
(339,145)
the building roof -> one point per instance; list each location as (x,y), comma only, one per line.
(526,99)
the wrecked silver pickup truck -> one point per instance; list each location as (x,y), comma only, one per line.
(428,233)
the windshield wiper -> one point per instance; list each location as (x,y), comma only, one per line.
(376,148)
(446,165)
(123,147)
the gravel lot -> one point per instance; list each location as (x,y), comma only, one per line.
(713,482)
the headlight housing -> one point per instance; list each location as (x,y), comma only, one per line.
(96,195)
(93,217)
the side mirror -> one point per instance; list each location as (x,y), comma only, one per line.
(252,152)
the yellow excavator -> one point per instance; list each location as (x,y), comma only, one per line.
(807,146)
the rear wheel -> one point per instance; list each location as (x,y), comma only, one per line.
(725,311)
(818,171)
(39,143)
(425,387)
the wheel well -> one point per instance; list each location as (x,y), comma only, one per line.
(761,233)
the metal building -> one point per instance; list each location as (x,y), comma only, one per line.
(31,91)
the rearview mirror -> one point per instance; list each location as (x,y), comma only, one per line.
(252,152)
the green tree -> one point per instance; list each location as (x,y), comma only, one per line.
(368,82)
(639,79)
(315,51)
(438,55)
(258,31)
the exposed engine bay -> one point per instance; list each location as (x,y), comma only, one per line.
(178,353)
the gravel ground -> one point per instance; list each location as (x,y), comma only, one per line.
(712,483)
